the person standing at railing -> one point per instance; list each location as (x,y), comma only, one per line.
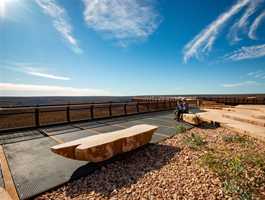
(185,107)
(178,111)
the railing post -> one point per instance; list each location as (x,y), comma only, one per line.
(137,107)
(110,111)
(68,113)
(125,108)
(37,116)
(92,111)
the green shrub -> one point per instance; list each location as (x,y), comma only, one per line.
(234,170)
(235,139)
(180,129)
(194,141)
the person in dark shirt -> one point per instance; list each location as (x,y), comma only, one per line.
(185,107)
(179,111)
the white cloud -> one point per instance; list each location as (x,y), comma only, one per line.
(241,24)
(241,84)
(255,25)
(33,70)
(257,74)
(60,22)
(14,89)
(122,20)
(50,76)
(247,52)
(203,42)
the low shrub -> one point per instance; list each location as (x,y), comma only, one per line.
(180,129)
(194,141)
(240,173)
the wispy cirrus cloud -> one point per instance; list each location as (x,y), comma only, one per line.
(60,22)
(203,42)
(33,70)
(241,84)
(257,74)
(14,89)
(246,52)
(241,24)
(255,25)
(122,20)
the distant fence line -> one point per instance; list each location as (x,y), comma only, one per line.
(38,116)
(32,117)
(225,99)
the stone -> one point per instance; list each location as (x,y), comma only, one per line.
(101,147)
(191,119)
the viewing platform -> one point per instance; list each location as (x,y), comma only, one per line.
(29,167)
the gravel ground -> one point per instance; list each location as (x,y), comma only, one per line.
(168,170)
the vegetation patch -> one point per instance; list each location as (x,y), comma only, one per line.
(235,139)
(194,141)
(180,129)
(242,175)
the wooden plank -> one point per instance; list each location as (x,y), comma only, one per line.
(8,180)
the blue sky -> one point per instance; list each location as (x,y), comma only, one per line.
(131,47)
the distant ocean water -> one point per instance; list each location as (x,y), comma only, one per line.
(34,101)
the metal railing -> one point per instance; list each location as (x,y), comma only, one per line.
(38,116)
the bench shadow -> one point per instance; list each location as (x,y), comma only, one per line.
(209,125)
(120,171)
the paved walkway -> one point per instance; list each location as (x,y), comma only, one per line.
(33,168)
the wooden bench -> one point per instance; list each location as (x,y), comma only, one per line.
(101,147)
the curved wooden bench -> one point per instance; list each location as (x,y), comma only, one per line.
(101,147)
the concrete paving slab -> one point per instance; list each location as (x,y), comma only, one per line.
(129,123)
(35,168)
(167,131)
(156,138)
(6,138)
(54,130)
(67,137)
(158,122)
(86,125)
(106,128)
(114,120)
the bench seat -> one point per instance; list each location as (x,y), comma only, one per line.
(101,147)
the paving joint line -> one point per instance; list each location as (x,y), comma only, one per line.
(59,141)
(89,129)
(7,177)
(160,121)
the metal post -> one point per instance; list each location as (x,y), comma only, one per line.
(125,108)
(92,111)
(110,111)
(68,113)
(37,116)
